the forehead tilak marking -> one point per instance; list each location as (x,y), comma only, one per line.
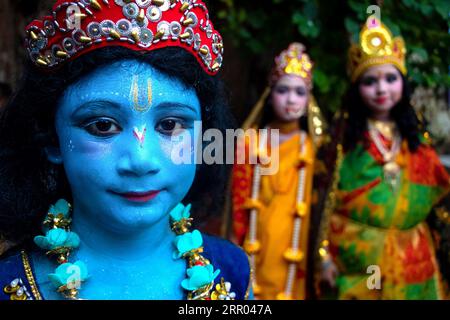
(137,95)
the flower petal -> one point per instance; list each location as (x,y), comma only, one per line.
(186,285)
(56,237)
(176,213)
(61,206)
(72,241)
(197,239)
(200,276)
(83,270)
(42,242)
(56,280)
(188,241)
(187,211)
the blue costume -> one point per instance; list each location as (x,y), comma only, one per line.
(116,138)
(230,259)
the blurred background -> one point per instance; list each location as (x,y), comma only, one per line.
(255,31)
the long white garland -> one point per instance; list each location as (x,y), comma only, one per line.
(293,254)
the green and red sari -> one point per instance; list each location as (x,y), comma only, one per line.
(378,235)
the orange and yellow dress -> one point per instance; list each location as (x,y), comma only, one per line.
(278,206)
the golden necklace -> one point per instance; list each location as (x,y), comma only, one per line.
(387,129)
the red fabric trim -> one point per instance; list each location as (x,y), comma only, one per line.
(114,13)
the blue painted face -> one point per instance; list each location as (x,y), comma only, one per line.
(115,128)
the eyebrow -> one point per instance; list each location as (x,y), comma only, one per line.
(387,73)
(289,86)
(175,105)
(96,105)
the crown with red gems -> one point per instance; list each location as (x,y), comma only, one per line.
(294,61)
(78,27)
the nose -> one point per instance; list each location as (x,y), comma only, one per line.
(292,97)
(139,159)
(381,87)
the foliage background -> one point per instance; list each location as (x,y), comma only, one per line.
(256,31)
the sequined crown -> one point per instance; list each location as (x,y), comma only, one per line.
(376,46)
(78,27)
(294,61)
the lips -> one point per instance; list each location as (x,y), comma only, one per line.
(381,100)
(290,110)
(139,196)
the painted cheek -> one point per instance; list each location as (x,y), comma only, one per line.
(367,93)
(302,101)
(396,90)
(92,149)
(279,102)
(174,148)
(180,167)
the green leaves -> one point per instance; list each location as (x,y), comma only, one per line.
(261,29)
(421,53)
(321,80)
(352,28)
(305,26)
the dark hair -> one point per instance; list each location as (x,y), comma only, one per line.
(358,113)
(30,183)
(5,90)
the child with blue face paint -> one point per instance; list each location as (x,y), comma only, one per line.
(88,176)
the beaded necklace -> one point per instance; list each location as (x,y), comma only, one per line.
(390,168)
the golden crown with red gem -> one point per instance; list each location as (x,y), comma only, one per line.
(376,46)
(78,27)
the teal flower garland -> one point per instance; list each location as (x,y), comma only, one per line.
(189,245)
(59,242)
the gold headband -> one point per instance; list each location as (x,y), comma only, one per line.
(376,47)
(294,61)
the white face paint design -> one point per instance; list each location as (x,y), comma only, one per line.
(140,134)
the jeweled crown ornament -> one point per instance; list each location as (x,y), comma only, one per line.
(376,46)
(294,61)
(77,27)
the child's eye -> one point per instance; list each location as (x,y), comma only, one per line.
(281,90)
(368,81)
(102,127)
(391,78)
(170,126)
(301,92)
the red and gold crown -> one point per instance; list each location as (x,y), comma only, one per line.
(376,46)
(294,61)
(78,27)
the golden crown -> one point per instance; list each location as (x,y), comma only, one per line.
(294,61)
(376,46)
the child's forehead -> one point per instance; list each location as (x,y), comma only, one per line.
(378,70)
(129,82)
(123,77)
(121,74)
